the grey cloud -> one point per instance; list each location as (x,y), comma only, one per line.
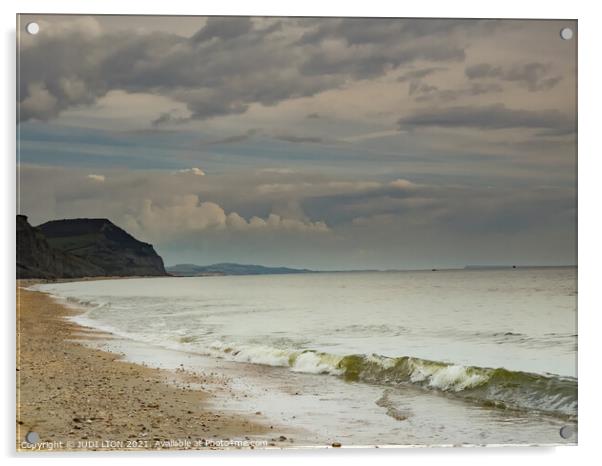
(236,138)
(418,87)
(534,76)
(299,139)
(162,119)
(166,118)
(221,70)
(344,206)
(359,31)
(425,93)
(466,209)
(495,116)
(482,70)
(223,28)
(419,74)
(287,137)
(372,62)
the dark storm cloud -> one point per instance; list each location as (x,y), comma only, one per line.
(534,76)
(229,64)
(495,116)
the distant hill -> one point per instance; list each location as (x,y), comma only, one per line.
(192,270)
(82,247)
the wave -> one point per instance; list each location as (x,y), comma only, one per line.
(500,388)
(492,387)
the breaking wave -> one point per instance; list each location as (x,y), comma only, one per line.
(494,387)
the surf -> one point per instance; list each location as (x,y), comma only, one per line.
(492,387)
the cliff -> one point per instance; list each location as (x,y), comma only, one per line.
(82,248)
(105,245)
(37,259)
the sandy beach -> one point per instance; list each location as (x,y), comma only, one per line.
(77,398)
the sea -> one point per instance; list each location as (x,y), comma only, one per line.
(446,357)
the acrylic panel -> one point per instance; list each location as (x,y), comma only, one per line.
(282,232)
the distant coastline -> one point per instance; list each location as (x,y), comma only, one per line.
(230,268)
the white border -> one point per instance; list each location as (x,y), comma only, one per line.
(590,259)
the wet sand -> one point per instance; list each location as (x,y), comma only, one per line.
(79,398)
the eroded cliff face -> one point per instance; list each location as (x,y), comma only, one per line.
(75,248)
(36,258)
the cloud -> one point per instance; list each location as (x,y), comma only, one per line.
(426,93)
(496,116)
(276,223)
(224,217)
(39,103)
(223,28)
(402,184)
(167,118)
(455,209)
(422,91)
(420,87)
(361,31)
(277,171)
(419,74)
(370,61)
(186,215)
(97,178)
(235,138)
(269,188)
(533,76)
(194,171)
(371,135)
(299,139)
(354,185)
(227,66)
(287,137)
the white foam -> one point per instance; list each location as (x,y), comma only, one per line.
(315,363)
(455,378)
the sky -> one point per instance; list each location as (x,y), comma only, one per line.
(325,143)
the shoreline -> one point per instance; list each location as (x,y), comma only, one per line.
(80,398)
(293,403)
